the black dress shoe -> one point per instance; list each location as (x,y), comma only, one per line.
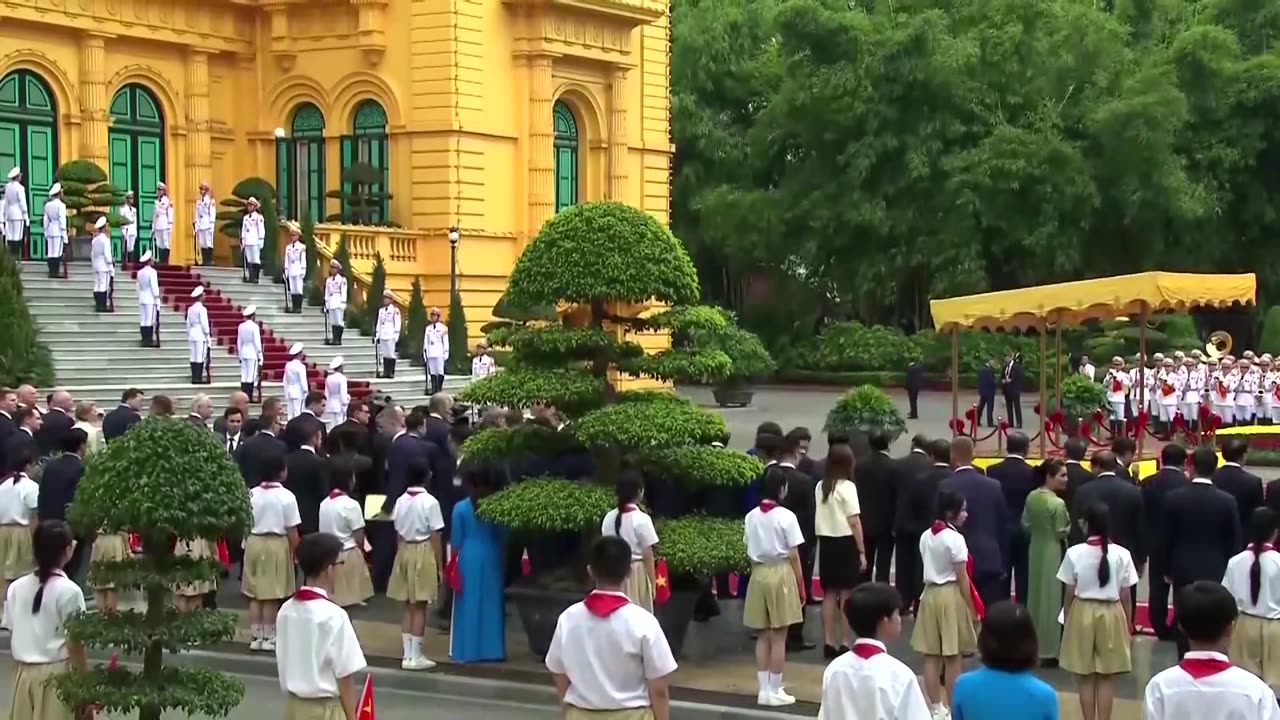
(800,646)
(831,652)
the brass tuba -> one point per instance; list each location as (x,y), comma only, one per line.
(1219,345)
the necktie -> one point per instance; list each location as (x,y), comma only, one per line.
(231,444)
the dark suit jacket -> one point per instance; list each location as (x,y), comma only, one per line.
(19,442)
(1017,377)
(1201,533)
(436,431)
(1155,494)
(240,440)
(1124,505)
(911,465)
(251,426)
(1017,479)
(298,430)
(986,382)
(250,454)
(915,375)
(403,449)
(7,429)
(196,421)
(1077,477)
(799,499)
(58,486)
(349,437)
(1242,485)
(308,480)
(50,438)
(118,421)
(987,529)
(1271,495)
(917,502)
(877,481)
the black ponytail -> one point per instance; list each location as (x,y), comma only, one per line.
(1097,522)
(627,490)
(1262,529)
(49,544)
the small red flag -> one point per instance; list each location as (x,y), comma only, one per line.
(224,556)
(364,710)
(453,575)
(135,543)
(661,582)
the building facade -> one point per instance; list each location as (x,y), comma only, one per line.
(488,115)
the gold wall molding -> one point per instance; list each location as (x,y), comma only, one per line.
(223,26)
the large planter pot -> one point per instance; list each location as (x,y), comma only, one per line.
(674,617)
(539,612)
(732,395)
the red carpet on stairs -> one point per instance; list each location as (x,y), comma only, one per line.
(176,284)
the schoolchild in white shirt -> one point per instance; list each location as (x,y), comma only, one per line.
(19,497)
(946,614)
(1205,684)
(1253,577)
(608,656)
(634,525)
(268,552)
(318,653)
(417,574)
(1099,577)
(37,608)
(342,517)
(867,683)
(776,593)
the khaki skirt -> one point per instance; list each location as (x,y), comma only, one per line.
(351,583)
(33,696)
(944,623)
(198,549)
(1095,639)
(16,557)
(414,578)
(639,586)
(573,713)
(109,548)
(296,708)
(1255,646)
(773,597)
(268,568)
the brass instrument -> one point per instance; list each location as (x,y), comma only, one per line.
(1219,345)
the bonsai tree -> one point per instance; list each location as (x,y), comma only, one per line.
(360,201)
(232,216)
(459,351)
(602,263)
(88,195)
(860,411)
(415,324)
(728,357)
(167,481)
(22,358)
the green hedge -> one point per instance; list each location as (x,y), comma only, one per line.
(854,347)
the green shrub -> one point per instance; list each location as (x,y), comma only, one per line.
(864,409)
(548,505)
(1270,340)
(88,195)
(698,546)
(373,296)
(707,347)
(1081,397)
(415,324)
(854,346)
(459,344)
(22,358)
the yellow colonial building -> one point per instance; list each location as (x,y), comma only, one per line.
(488,115)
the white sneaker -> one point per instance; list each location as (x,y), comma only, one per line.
(269,645)
(256,645)
(942,712)
(782,695)
(418,663)
(778,699)
(762,697)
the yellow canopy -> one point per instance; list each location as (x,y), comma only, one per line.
(1071,303)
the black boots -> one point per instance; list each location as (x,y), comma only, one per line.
(247,388)
(434,383)
(147,336)
(197,373)
(55,267)
(335,334)
(162,256)
(100,302)
(255,273)
(297,303)
(206,256)
(388,368)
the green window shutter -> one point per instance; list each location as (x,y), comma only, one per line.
(348,149)
(370,129)
(306,169)
(136,146)
(284,198)
(28,140)
(566,141)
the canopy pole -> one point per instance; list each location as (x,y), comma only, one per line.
(1044,390)
(1057,376)
(1142,375)
(955,377)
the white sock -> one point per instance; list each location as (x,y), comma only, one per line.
(270,632)
(406,646)
(256,631)
(762,678)
(417,647)
(775,682)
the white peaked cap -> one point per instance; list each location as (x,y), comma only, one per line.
(57,188)
(335,363)
(295,349)
(335,264)
(146,257)
(100,222)
(249,310)
(252,201)
(198,291)
(161,186)
(15,173)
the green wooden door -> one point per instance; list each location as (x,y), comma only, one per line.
(29,140)
(566,156)
(136,144)
(300,166)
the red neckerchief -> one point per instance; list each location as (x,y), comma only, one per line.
(938,526)
(767,505)
(866,650)
(1265,547)
(414,491)
(1200,668)
(269,485)
(629,508)
(334,494)
(604,604)
(1094,540)
(306,594)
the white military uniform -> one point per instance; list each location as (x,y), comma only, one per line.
(335,304)
(482,366)
(295,266)
(388,331)
(198,337)
(435,347)
(1247,395)
(253,232)
(1117,384)
(336,397)
(249,348)
(206,211)
(295,382)
(1270,383)
(1222,393)
(1169,380)
(1197,376)
(55,227)
(148,297)
(103,265)
(129,230)
(162,224)
(13,209)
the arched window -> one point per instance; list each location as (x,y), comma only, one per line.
(136,149)
(566,149)
(300,166)
(367,143)
(29,140)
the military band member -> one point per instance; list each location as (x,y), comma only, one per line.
(482,364)
(387,334)
(13,209)
(1193,391)
(55,229)
(1117,383)
(336,397)
(1168,391)
(1270,390)
(335,302)
(295,267)
(104,267)
(295,382)
(1222,395)
(253,233)
(148,300)
(249,350)
(162,223)
(435,351)
(1247,392)
(128,213)
(1150,384)
(198,337)
(206,212)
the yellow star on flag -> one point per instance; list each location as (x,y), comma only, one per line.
(661,582)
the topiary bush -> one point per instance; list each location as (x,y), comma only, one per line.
(166,480)
(415,324)
(89,195)
(459,362)
(1081,397)
(701,546)
(22,358)
(862,410)
(373,296)
(231,217)
(360,201)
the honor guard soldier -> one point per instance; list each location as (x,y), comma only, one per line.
(1222,397)
(148,300)
(387,334)
(104,267)
(482,364)
(198,337)
(335,301)
(206,210)
(162,223)
(435,351)
(249,350)
(253,233)
(1247,392)
(295,382)
(13,208)
(336,397)
(128,213)
(55,229)
(1117,383)
(295,267)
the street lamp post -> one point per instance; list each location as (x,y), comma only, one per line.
(453,261)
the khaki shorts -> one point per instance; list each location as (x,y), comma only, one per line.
(414,578)
(773,597)
(1095,639)
(944,625)
(1255,646)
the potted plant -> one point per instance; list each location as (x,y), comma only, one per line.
(861,410)
(695,547)
(1081,398)
(729,358)
(165,480)
(601,264)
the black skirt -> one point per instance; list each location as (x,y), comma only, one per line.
(838,563)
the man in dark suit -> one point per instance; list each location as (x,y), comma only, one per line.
(308,480)
(1241,484)
(987,529)
(799,500)
(201,411)
(1155,493)
(803,438)
(876,479)
(239,400)
(8,409)
(914,383)
(1124,507)
(986,393)
(1125,450)
(1017,479)
(1012,380)
(58,486)
(231,436)
(1078,476)
(57,422)
(124,416)
(22,443)
(914,462)
(439,420)
(300,429)
(914,514)
(1201,530)
(250,455)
